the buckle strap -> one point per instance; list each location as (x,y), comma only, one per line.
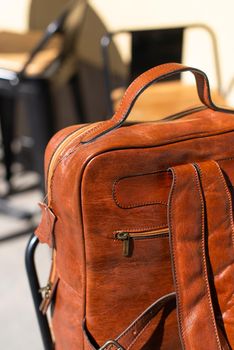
(112,344)
(128,337)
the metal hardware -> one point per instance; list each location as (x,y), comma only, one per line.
(111,343)
(46,290)
(125,238)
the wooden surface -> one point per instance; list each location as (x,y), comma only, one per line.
(15,50)
(165,99)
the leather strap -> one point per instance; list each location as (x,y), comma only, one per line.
(186,216)
(128,337)
(220,243)
(214,257)
(138,86)
(45,230)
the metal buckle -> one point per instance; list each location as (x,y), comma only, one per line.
(111,343)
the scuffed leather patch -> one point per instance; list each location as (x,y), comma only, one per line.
(46,227)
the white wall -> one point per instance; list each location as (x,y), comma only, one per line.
(150,13)
(14,15)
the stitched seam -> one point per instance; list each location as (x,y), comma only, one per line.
(90,131)
(171,200)
(145,76)
(229,203)
(136,204)
(223,159)
(132,86)
(139,204)
(133,94)
(60,159)
(133,205)
(139,229)
(156,145)
(146,317)
(155,173)
(135,325)
(132,327)
(135,339)
(205,272)
(184,137)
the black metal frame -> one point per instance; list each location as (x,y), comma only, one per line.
(108,37)
(36,295)
(35,93)
(13,84)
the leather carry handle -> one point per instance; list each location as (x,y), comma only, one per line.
(138,86)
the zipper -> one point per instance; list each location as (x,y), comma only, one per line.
(50,288)
(126,237)
(65,143)
(48,291)
(69,138)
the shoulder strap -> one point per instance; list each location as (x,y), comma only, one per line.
(189,264)
(202,239)
(219,214)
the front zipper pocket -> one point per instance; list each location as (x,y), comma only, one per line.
(127,236)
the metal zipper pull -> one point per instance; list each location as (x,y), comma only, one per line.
(48,291)
(125,238)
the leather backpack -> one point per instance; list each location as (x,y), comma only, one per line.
(140,220)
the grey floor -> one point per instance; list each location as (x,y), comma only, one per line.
(18,324)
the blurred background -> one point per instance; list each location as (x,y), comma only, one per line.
(68,62)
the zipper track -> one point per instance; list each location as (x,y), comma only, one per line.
(79,132)
(69,138)
(59,144)
(149,234)
(126,236)
(56,155)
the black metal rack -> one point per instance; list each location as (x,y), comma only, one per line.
(36,295)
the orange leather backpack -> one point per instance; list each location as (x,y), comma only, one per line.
(140,219)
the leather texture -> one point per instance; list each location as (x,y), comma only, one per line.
(107,179)
(45,231)
(189,261)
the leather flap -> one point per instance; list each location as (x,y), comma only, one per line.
(152,189)
(46,227)
(142,190)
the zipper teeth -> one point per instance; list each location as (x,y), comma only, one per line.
(69,139)
(60,143)
(158,235)
(127,237)
(123,235)
(148,234)
(58,151)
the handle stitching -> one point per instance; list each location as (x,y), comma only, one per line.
(205,272)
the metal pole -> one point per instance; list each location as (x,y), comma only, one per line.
(37,298)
